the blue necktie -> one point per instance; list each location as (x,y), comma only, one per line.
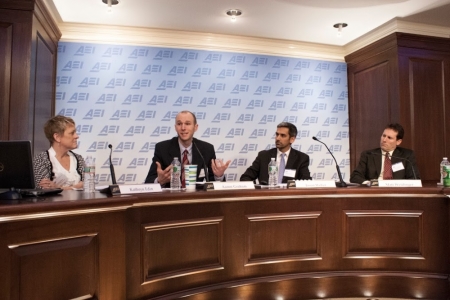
(281,168)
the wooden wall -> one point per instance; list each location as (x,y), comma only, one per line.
(402,78)
(28,48)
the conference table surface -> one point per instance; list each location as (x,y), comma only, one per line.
(69,199)
(230,244)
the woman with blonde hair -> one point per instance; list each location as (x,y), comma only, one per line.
(59,167)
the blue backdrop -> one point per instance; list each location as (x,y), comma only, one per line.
(128,96)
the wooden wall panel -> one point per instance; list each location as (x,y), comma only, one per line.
(417,91)
(371,94)
(201,238)
(383,234)
(64,257)
(281,238)
(44,91)
(30,72)
(425,103)
(5,77)
(71,260)
(18,74)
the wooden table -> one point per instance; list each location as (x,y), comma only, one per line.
(245,244)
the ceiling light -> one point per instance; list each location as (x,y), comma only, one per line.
(233,13)
(110,3)
(339,27)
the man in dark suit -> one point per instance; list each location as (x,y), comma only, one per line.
(372,162)
(165,151)
(296,162)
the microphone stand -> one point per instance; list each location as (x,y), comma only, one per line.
(111,166)
(341,182)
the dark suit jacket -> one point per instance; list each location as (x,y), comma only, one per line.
(259,169)
(165,151)
(369,166)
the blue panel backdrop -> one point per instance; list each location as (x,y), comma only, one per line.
(128,96)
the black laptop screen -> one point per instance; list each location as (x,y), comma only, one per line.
(16,165)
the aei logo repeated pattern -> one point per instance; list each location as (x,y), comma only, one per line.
(128,96)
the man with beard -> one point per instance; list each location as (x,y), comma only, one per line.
(296,162)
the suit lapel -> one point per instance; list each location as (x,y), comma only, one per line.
(292,160)
(376,160)
(174,149)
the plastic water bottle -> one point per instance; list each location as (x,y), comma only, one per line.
(175,180)
(89,175)
(273,173)
(444,163)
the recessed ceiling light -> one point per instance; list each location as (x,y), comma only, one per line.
(233,13)
(110,3)
(339,27)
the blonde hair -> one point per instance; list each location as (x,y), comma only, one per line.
(57,124)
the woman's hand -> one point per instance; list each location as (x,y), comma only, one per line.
(47,184)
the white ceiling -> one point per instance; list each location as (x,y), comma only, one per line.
(308,21)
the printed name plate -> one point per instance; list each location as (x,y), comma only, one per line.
(400,183)
(315,184)
(233,185)
(139,188)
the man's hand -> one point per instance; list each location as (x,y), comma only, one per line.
(163,175)
(219,167)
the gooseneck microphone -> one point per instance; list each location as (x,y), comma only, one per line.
(402,158)
(204,164)
(341,182)
(111,166)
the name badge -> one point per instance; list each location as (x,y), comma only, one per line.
(397,167)
(289,173)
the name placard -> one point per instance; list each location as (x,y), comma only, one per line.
(233,185)
(315,184)
(400,183)
(139,188)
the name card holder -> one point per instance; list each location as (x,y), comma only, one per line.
(117,189)
(306,184)
(233,185)
(400,183)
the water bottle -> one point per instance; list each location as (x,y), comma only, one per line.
(175,180)
(89,175)
(444,163)
(273,173)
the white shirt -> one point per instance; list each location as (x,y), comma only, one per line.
(62,176)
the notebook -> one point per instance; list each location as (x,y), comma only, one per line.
(16,169)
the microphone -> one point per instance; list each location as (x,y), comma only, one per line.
(204,164)
(111,167)
(402,158)
(341,182)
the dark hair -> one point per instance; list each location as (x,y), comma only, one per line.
(397,128)
(290,126)
(189,112)
(57,124)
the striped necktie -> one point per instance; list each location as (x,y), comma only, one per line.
(184,162)
(387,172)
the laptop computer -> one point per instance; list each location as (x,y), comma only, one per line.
(16,171)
